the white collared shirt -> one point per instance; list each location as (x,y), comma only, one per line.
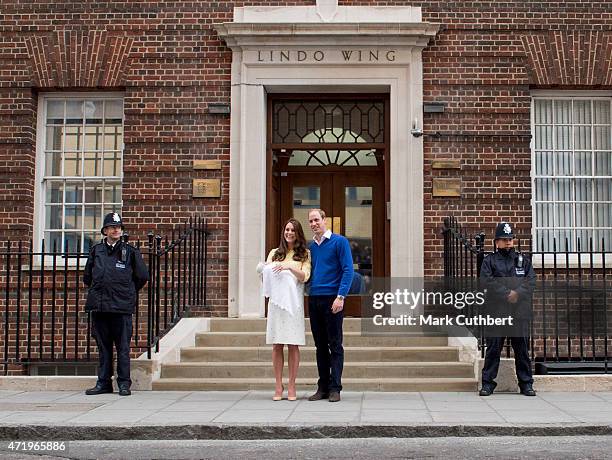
(327,235)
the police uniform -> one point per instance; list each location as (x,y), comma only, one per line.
(504,271)
(114,274)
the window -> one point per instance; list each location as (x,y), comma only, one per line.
(572,172)
(81,168)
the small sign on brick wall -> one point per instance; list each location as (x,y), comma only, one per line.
(446,164)
(443,187)
(206,164)
(206,188)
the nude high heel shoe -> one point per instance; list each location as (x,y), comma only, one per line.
(278,397)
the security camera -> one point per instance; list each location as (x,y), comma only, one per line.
(416,132)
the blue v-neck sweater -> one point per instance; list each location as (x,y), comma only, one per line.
(332,266)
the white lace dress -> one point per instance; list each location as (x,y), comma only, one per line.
(285,323)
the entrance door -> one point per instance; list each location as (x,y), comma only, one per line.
(354,204)
(328,153)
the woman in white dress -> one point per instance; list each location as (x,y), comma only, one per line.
(287,269)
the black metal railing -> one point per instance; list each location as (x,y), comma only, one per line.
(42,297)
(570,326)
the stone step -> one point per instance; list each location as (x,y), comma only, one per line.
(374,370)
(381,354)
(349,384)
(259,325)
(351,339)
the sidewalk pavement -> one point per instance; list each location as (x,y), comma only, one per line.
(253,415)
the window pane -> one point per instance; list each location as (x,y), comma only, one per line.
(53,164)
(93,192)
(74,112)
(90,240)
(584,214)
(601,111)
(112,193)
(582,137)
(54,138)
(544,164)
(54,192)
(92,219)
(543,111)
(565,215)
(72,164)
(73,217)
(72,242)
(111,164)
(563,137)
(602,138)
(563,111)
(113,111)
(117,208)
(606,244)
(113,138)
(93,138)
(582,239)
(603,215)
(53,218)
(584,190)
(565,240)
(563,189)
(92,166)
(563,164)
(583,162)
(544,137)
(93,112)
(602,189)
(603,163)
(74,137)
(74,192)
(582,112)
(53,241)
(55,112)
(544,215)
(544,189)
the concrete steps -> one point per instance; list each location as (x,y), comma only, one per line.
(308,369)
(357,354)
(349,384)
(351,339)
(234,356)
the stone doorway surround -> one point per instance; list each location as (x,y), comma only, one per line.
(322,48)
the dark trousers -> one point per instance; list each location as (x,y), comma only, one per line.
(522,362)
(327,332)
(113,329)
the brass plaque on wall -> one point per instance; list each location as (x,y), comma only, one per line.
(447,187)
(206,188)
(446,164)
(206,164)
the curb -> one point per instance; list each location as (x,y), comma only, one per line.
(252,432)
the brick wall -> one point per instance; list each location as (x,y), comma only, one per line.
(167,60)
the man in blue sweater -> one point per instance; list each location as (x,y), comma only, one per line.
(330,280)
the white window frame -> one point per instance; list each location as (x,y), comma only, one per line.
(39,189)
(561,259)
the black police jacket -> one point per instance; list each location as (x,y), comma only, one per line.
(114,276)
(499,274)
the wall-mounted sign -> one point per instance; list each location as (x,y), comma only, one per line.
(206,164)
(206,188)
(447,187)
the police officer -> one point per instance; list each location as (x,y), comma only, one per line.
(509,279)
(114,273)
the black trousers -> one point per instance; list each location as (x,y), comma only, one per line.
(327,332)
(522,362)
(113,329)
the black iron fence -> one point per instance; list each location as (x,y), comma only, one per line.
(571,318)
(42,297)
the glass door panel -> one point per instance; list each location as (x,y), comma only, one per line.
(305,198)
(358,228)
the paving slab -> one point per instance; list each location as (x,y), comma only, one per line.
(253,415)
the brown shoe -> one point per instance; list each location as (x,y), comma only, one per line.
(334,396)
(318,396)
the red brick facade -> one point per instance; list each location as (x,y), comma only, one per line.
(168,61)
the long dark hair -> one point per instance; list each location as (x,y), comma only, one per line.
(300,253)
